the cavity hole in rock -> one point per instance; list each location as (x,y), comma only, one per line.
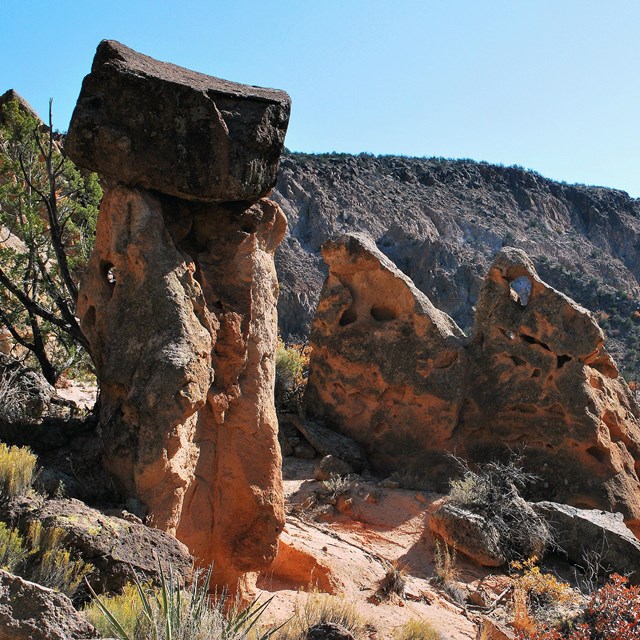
(522,288)
(348,317)
(109,273)
(532,340)
(383,314)
(536,373)
(89,320)
(597,453)
(517,361)
(562,360)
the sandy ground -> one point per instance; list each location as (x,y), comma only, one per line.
(345,550)
(82,394)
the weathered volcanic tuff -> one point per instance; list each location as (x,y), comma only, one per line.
(387,367)
(155,125)
(179,306)
(397,375)
(540,377)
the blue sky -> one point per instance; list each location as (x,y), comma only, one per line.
(551,85)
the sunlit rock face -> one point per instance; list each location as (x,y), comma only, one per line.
(387,367)
(397,375)
(541,381)
(179,300)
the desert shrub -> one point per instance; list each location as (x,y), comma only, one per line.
(417,630)
(171,612)
(321,608)
(41,557)
(50,563)
(493,490)
(17,470)
(395,579)
(337,485)
(613,613)
(537,596)
(12,550)
(291,369)
(124,607)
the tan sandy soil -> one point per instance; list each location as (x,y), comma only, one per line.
(347,552)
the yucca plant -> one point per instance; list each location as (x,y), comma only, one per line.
(171,612)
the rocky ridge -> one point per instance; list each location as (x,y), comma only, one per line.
(442,222)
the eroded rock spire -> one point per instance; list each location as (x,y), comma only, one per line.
(179,299)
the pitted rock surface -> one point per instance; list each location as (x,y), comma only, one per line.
(398,376)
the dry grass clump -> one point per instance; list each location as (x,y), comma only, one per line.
(52,564)
(17,470)
(12,550)
(292,364)
(417,630)
(321,608)
(395,579)
(125,607)
(447,571)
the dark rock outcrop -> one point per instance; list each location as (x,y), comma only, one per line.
(114,545)
(179,300)
(31,612)
(593,536)
(159,126)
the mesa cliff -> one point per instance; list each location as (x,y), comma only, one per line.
(443,221)
(178,301)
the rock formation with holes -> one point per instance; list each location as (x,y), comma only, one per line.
(179,299)
(398,376)
(541,378)
(387,367)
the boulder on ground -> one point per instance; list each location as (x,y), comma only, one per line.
(328,442)
(25,395)
(155,125)
(593,536)
(29,611)
(115,546)
(331,466)
(469,533)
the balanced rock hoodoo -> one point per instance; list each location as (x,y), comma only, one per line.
(398,376)
(179,299)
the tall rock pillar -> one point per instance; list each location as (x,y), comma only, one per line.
(179,299)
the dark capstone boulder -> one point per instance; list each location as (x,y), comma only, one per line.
(29,611)
(153,124)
